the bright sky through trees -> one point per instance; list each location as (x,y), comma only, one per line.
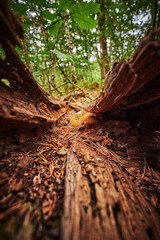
(121,24)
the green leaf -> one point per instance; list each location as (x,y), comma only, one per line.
(35,74)
(64,4)
(90,7)
(62,55)
(42,21)
(44,52)
(54,28)
(50,16)
(27,24)
(85,22)
(85,8)
(39,71)
(20,8)
(82,14)
(50,44)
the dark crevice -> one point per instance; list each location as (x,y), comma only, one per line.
(116,212)
(107,208)
(95,209)
(116,179)
(150,233)
(85,209)
(93,193)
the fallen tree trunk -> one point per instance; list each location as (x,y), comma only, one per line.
(17,111)
(135,83)
(101,202)
(23,103)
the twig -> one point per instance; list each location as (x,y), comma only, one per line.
(145,166)
(51,169)
(75,85)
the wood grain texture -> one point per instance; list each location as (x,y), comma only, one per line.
(23,103)
(126,82)
(101,202)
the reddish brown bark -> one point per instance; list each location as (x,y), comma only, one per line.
(24,103)
(134,83)
(101,202)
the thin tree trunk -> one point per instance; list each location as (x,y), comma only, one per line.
(53,76)
(86,49)
(52,62)
(43,77)
(104,65)
(26,56)
(69,46)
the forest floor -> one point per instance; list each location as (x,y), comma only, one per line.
(32,176)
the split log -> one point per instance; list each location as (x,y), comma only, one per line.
(134,83)
(16,111)
(23,104)
(101,202)
(18,75)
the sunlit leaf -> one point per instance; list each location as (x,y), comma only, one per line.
(85,22)
(44,52)
(62,55)
(82,14)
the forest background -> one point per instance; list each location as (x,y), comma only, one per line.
(71,43)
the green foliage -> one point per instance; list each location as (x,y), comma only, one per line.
(27,24)
(54,28)
(64,5)
(62,55)
(82,14)
(20,8)
(45,38)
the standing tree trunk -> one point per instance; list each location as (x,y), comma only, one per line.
(104,64)
(51,59)
(69,45)
(24,46)
(53,75)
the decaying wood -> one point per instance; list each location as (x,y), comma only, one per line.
(101,202)
(16,111)
(131,84)
(23,104)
